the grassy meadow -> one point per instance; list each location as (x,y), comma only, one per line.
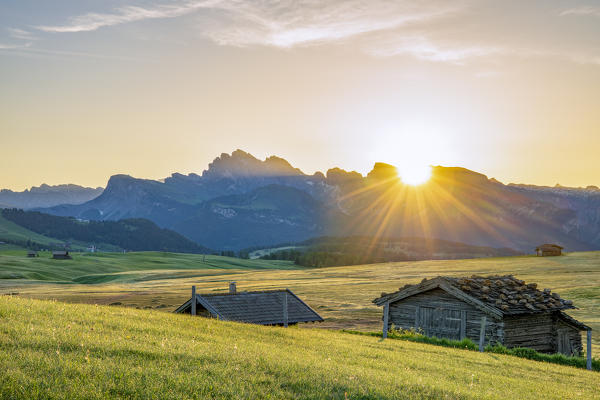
(54,350)
(11,231)
(342,295)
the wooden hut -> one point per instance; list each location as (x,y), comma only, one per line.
(548,250)
(32,254)
(61,255)
(268,307)
(488,310)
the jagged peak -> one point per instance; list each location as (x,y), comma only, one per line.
(243,164)
(383,171)
(338,174)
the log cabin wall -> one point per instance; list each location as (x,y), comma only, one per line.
(568,339)
(437,313)
(535,331)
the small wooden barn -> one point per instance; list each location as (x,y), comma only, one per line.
(488,310)
(32,254)
(268,307)
(548,250)
(61,255)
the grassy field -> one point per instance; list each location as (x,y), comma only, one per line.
(11,231)
(342,295)
(53,350)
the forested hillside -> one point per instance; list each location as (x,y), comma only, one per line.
(354,250)
(134,234)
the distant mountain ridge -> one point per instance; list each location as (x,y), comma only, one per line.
(48,196)
(241,201)
(134,234)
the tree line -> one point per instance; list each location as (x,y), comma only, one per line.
(130,234)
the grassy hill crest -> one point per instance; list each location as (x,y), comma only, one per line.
(58,350)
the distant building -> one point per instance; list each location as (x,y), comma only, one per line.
(61,255)
(547,250)
(269,307)
(32,254)
(488,310)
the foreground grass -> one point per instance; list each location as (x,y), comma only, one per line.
(342,295)
(52,350)
(467,344)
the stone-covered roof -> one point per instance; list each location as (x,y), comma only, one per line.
(506,293)
(549,246)
(261,307)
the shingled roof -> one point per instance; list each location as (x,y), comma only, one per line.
(260,307)
(502,295)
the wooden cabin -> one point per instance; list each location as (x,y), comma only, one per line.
(488,310)
(61,255)
(548,250)
(32,254)
(268,307)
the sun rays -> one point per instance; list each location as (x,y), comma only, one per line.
(439,207)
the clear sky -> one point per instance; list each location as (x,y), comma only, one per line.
(151,87)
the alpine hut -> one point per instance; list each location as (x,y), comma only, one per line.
(547,250)
(61,255)
(267,307)
(488,310)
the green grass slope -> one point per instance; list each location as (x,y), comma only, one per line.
(52,350)
(342,295)
(11,231)
(95,268)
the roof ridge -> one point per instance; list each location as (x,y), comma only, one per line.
(243,292)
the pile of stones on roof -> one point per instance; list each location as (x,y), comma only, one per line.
(506,293)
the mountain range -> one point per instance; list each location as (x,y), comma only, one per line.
(240,201)
(47,196)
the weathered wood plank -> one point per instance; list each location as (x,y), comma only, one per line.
(482,334)
(463,324)
(589,349)
(193,300)
(386,316)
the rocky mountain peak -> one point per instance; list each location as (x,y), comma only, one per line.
(383,171)
(242,164)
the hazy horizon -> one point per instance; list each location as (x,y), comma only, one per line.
(152,87)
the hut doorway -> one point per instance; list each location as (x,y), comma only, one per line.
(440,322)
(563,342)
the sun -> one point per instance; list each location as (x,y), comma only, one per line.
(415,175)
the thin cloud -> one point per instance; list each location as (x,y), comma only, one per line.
(383,28)
(93,21)
(289,24)
(14,46)
(21,34)
(282,24)
(583,10)
(423,48)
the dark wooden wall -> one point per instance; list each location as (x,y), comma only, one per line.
(546,333)
(436,313)
(568,339)
(533,331)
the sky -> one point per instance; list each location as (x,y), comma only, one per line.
(89,89)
